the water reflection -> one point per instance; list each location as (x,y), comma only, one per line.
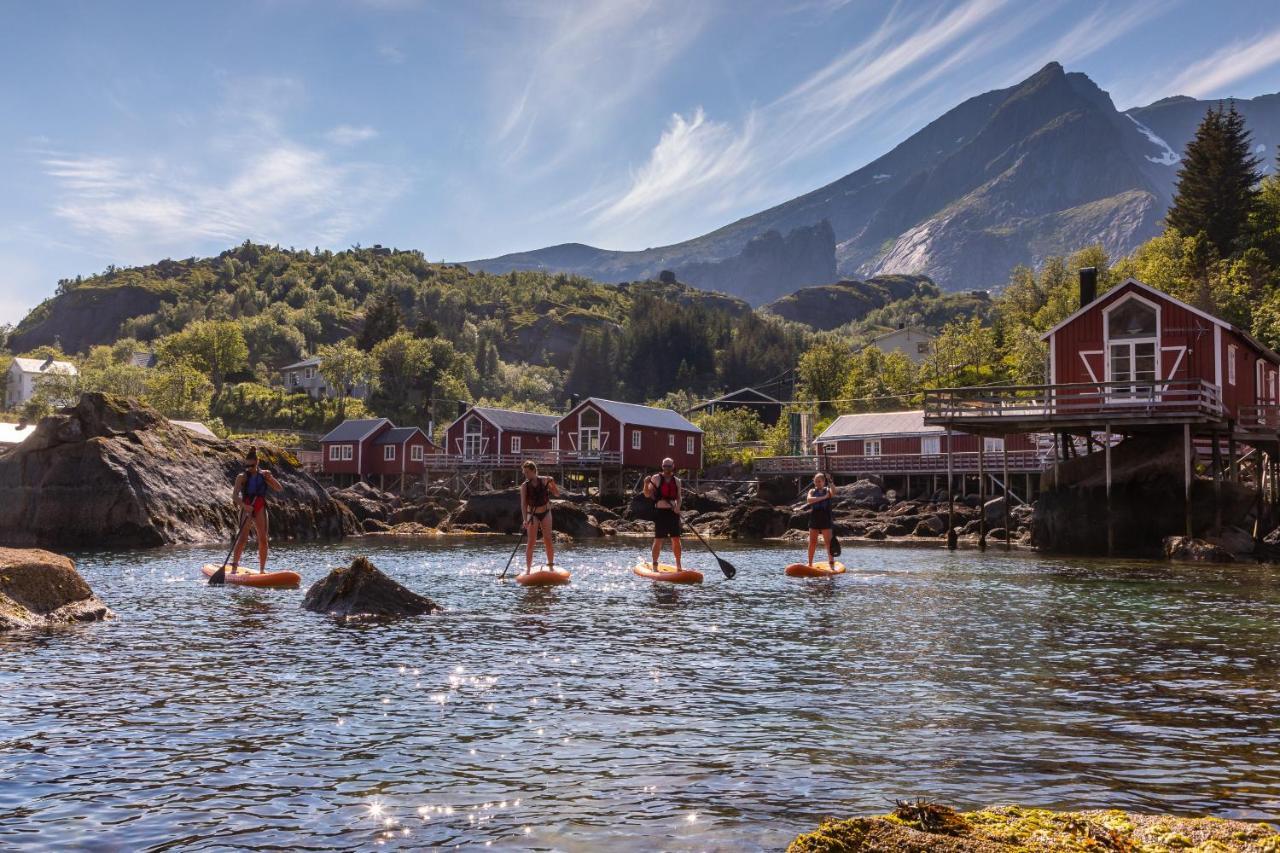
(618,714)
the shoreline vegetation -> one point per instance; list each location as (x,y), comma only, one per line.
(924,826)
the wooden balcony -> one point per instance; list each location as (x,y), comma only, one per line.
(1081,405)
(1263,419)
(1021,461)
(441,462)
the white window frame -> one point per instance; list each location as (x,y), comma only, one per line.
(868,444)
(388,453)
(671,439)
(992,444)
(335,452)
(830,447)
(516,443)
(931,445)
(635,439)
(308,373)
(472,439)
(417,453)
(1231,364)
(1136,386)
(590,438)
(688,444)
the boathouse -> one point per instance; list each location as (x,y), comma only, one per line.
(347,451)
(400,452)
(767,408)
(501,437)
(629,435)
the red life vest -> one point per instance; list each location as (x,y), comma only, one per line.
(667,490)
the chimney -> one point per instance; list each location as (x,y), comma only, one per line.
(1088,285)
(463,406)
(574,399)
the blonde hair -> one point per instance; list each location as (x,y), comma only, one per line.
(822,475)
(530,465)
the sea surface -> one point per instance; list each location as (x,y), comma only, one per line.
(615,714)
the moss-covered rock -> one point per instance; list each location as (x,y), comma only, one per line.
(921,826)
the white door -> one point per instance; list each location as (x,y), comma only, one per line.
(1133,362)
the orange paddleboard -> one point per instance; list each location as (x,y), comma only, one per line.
(248,577)
(817,570)
(542,576)
(667,574)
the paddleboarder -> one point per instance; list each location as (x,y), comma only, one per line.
(664,490)
(250,491)
(536,493)
(820,524)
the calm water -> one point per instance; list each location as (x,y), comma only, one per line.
(614,714)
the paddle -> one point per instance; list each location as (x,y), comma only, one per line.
(219,577)
(523,529)
(725,565)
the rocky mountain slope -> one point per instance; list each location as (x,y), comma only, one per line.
(1006,177)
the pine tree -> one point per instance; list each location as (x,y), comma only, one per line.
(1217,184)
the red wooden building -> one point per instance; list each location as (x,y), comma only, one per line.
(347,451)
(500,436)
(400,452)
(629,435)
(903,439)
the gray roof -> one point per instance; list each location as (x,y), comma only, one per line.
(397,435)
(143,359)
(196,427)
(506,419)
(634,414)
(314,361)
(354,430)
(874,424)
(729,398)
(45,365)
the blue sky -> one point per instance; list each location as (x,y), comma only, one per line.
(135,131)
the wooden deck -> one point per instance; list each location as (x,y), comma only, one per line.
(1021,461)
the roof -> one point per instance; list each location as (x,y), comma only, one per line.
(508,420)
(314,361)
(196,427)
(143,359)
(909,330)
(14,433)
(355,430)
(874,424)
(729,397)
(44,365)
(633,414)
(398,435)
(1160,294)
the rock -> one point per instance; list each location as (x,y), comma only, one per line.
(111,472)
(996,533)
(779,491)
(899,526)
(407,528)
(1195,550)
(757,520)
(601,512)
(39,588)
(994,511)
(712,500)
(360,591)
(866,494)
(573,520)
(931,526)
(375,525)
(1232,539)
(367,502)
(498,511)
(877,532)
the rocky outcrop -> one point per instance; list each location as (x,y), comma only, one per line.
(917,827)
(1195,551)
(757,519)
(111,472)
(830,306)
(366,502)
(361,591)
(39,588)
(498,511)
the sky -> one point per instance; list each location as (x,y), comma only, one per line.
(135,131)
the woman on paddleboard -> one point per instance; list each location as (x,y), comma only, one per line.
(664,490)
(535,508)
(250,491)
(819,503)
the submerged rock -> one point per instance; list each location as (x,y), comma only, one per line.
(917,827)
(1195,551)
(361,591)
(39,588)
(111,472)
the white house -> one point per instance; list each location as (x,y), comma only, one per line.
(305,376)
(915,344)
(25,374)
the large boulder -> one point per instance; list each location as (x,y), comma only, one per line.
(1233,539)
(499,511)
(366,501)
(712,500)
(574,520)
(779,491)
(866,494)
(757,519)
(361,591)
(111,472)
(1195,551)
(39,588)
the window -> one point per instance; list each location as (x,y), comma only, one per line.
(348,451)
(589,432)
(309,373)
(1231,365)
(293,379)
(671,439)
(515,443)
(635,439)
(871,447)
(388,453)
(335,452)
(416,453)
(830,447)
(992,445)
(922,348)
(931,445)
(688,444)
(1131,353)
(472,437)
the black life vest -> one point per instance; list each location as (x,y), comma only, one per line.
(536,492)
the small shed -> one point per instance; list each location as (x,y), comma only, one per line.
(484,433)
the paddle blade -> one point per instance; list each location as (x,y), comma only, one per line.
(219,577)
(835,547)
(727,568)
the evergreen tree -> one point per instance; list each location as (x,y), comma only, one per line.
(382,319)
(1217,184)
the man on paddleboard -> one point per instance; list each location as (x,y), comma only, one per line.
(535,508)
(250,491)
(664,490)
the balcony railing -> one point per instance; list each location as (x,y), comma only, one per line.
(1098,401)
(901,463)
(1260,418)
(544,458)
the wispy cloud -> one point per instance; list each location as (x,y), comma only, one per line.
(1211,76)
(350,134)
(1102,27)
(391,54)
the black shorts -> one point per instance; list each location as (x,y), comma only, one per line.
(820,519)
(666,523)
